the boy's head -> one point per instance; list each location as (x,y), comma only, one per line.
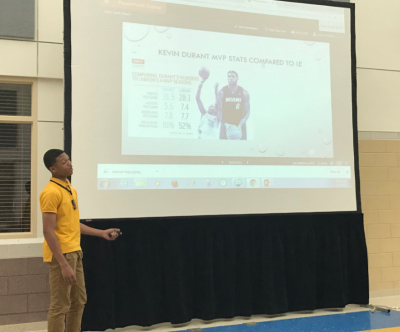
(58,163)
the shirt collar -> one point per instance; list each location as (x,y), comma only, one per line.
(60,182)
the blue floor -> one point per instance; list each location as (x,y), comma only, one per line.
(351,322)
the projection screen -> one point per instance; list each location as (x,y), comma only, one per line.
(189,107)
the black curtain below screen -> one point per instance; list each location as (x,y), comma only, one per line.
(177,269)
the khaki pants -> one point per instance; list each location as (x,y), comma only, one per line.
(67,302)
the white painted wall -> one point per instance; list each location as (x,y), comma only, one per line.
(41,59)
(378,62)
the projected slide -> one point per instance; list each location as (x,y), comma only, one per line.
(188,107)
(183,86)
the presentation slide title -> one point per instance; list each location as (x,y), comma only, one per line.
(230,58)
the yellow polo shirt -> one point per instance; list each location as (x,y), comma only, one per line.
(57,198)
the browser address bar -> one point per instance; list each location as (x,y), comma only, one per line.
(241,5)
(324,14)
(271,7)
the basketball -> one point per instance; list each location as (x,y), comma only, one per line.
(204,73)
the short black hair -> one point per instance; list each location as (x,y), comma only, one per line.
(233,72)
(50,157)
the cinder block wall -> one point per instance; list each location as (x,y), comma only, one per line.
(24,291)
(380,195)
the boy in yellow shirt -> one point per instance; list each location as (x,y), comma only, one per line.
(61,249)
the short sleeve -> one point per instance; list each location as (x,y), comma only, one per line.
(49,201)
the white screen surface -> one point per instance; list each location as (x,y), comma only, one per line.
(227,108)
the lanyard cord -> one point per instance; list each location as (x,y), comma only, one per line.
(69,190)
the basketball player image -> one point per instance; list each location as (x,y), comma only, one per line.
(209,120)
(234,103)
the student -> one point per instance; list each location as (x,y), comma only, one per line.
(61,249)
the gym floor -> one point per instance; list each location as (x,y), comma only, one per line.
(350,319)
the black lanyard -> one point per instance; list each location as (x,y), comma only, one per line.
(62,186)
(69,190)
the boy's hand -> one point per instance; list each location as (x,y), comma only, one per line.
(68,274)
(111,234)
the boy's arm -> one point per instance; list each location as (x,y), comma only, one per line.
(108,234)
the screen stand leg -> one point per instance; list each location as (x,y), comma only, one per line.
(375,308)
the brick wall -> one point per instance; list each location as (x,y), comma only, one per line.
(380,195)
(24,290)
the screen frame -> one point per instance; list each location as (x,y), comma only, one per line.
(351,6)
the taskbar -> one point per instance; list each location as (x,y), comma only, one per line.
(220,183)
